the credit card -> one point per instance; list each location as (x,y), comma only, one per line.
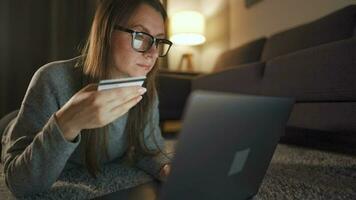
(121,82)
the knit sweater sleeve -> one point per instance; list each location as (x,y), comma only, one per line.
(154,141)
(35,151)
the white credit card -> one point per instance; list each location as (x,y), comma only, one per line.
(121,82)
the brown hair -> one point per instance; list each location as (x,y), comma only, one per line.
(95,61)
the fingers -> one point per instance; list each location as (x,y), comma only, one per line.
(85,92)
(90,87)
(110,104)
(125,107)
(107,117)
(112,96)
(119,95)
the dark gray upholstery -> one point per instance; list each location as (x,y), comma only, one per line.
(174,87)
(315,63)
(247,53)
(173,91)
(323,73)
(243,79)
(336,26)
(329,116)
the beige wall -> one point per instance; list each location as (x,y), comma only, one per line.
(238,25)
(217,14)
(270,16)
(177,51)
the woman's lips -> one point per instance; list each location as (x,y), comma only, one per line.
(144,66)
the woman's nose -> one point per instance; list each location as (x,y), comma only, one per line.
(153,51)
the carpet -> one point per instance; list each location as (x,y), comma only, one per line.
(301,173)
(78,184)
(294,173)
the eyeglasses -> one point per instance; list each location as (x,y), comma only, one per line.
(142,42)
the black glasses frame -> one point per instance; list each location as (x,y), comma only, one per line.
(154,40)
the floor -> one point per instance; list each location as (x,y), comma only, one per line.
(308,165)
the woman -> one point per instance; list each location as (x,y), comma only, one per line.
(64,122)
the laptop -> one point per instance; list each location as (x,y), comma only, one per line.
(225,146)
(224,149)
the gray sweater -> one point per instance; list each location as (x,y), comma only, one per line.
(34,149)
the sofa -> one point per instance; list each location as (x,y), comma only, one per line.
(175,86)
(315,63)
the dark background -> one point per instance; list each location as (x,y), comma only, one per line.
(33,33)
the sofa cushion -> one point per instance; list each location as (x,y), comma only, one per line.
(327,116)
(247,53)
(321,74)
(173,91)
(242,79)
(335,26)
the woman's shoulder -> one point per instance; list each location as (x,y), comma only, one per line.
(57,68)
(59,76)
(58,71)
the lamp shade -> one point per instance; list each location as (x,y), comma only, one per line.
(187,28)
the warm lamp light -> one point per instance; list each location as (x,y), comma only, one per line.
(187,28)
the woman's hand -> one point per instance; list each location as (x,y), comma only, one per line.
(90,108)
(165,171)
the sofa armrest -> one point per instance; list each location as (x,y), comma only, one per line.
(177,72)
(318,74)
(241,79)
(173,91)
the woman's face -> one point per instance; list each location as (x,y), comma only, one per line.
(127,61)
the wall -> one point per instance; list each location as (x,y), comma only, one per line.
(34,33)
(217,39)
(270,16)
(217,13)
(238,25)
(176,51)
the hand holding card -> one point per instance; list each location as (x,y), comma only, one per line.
(122,82)
(87,109)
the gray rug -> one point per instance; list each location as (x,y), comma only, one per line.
(300,173)
(294,173)
(78,184)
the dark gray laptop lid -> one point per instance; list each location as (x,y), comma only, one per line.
(225,146)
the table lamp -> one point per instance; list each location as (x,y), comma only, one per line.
(187,28)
